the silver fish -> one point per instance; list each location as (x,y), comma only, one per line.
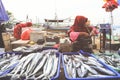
(40,65)
(74,72)
(50,64)
(34,62)
(27,62)
(104,70)
(79,72)
(84,71)
(96,76)
(90,69)
(55,67)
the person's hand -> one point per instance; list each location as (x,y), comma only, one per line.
(92,33)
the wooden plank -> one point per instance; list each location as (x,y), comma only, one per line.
(20,42)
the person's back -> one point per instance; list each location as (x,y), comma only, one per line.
(18,29)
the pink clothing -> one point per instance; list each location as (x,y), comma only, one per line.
(56,46)
(74,36)
(95,30)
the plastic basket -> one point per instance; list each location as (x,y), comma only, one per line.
(55,77)
(117,77)
(108,54)
(2,55)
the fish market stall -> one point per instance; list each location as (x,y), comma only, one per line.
(83,66)
(111,59)
(44,64)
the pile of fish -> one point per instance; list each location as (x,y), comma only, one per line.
(36,66)
(80,66)
(113,60)
(8,62)
(28,49)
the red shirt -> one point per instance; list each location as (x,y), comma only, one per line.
(18,30)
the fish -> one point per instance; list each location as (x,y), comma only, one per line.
(79,72)
(84,71)
(34,62)
(26,63)
(104,70)
(65,58)
(74,72)
(17,70)
(55,67)
(31,66)
(47,69)
(69,70)
(40,65)
(76,64)
(90,69)
(21,61)
(96,76)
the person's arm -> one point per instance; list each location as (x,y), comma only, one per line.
(92,32)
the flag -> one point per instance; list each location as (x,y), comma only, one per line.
(3,13)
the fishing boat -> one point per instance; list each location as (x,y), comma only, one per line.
(56,25)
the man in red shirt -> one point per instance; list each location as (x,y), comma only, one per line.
(18,29)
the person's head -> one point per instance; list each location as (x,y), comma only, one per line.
(80,21)
(87,23)
(28,24)
(17,23)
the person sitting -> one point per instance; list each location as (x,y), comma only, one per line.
(18,29)
(80,34)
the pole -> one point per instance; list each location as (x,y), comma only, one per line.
(111,29)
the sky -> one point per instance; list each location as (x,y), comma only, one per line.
(38,10)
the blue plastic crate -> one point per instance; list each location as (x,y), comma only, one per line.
(55,77)
(11,53)
(8,70)
(118,70)
(116,77)
(2,73)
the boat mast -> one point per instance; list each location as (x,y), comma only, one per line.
(56,17)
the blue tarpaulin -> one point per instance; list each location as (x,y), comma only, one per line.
(3,13)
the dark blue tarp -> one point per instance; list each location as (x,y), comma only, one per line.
(3,14)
